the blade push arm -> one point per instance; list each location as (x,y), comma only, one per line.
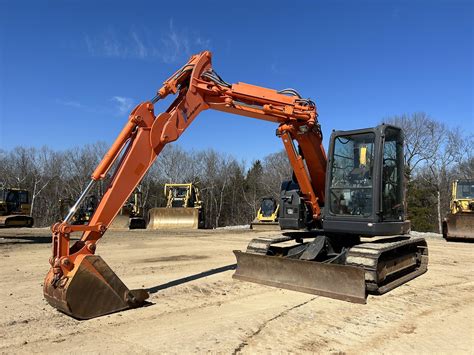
(198,87)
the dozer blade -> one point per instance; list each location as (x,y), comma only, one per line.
(91,290)
(173,218)
(460,226)
(120,222)
(329,280)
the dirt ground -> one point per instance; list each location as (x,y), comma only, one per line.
(198,307)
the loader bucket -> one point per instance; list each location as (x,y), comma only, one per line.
(459,226)
(342,282)
(91,290)
(173,218)
(265,226)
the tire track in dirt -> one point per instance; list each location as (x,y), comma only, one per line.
(245,342)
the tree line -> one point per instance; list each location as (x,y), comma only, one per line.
(231,192)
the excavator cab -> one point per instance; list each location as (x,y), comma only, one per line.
(365,191)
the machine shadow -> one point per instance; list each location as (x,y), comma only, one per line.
(30,239)
(183,280)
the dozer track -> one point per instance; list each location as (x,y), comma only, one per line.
(373,267)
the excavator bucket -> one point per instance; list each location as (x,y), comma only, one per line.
(329,280)
(459,226)
(90,290)
(173,218)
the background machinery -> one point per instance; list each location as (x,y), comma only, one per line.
(131,213)
(15,208)
(84,212)
(459,223)
(183,209)
(267,215)
(350,205)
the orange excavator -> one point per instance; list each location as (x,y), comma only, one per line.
(347,211)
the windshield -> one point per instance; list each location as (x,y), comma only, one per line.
(23,196)
(351,175)
(267,208)
(392,175)
(465,189)
(180,192)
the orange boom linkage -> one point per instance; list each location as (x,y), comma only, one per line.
(80,283)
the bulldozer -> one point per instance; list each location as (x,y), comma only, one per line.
(459,223)
(267,215)
(15,208)
(348,232)
(183,209)
(131,213)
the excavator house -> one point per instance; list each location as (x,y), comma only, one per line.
(344,216)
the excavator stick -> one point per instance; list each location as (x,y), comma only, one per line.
(459,226)
(342,282)
(173,218)
(90,290)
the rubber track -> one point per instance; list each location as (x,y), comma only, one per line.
(367,256)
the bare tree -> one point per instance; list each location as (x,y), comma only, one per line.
(422,137)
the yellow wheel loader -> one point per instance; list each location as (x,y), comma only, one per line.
(183,209)
(15,208)
(267,215)
(459,223)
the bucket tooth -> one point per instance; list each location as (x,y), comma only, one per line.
(341,282)
(91,290)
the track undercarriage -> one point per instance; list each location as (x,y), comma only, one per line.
(333,266)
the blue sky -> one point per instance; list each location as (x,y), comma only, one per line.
(70,71)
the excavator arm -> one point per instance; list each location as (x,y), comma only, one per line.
(197,87)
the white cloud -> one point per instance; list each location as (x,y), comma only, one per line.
(173,45)
(70,103)
(124,104)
